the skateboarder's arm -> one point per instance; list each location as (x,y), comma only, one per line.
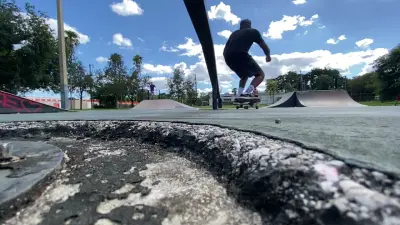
(265,48)
(260,41)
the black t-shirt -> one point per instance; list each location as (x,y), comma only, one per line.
(152,86)
(241,41)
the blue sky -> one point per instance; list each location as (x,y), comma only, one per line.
(302,34)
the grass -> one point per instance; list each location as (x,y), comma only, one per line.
(379,103)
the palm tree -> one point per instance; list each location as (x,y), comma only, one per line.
(272,87)
(234,91)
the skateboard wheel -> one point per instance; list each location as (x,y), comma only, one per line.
(237,107)
(256,106)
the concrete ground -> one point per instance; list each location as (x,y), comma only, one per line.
(365,136)
(128,182)
(127,172)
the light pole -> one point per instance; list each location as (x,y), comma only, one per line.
(62,58)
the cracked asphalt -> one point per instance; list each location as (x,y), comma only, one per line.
(128,182)
(126,172)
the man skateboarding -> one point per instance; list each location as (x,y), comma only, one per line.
(237,57)
(152,88)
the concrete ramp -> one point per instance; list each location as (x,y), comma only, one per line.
(324,98)
(329,98)
(287,100)
(10,103)
(162,104)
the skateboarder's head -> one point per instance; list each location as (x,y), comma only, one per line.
(246,23)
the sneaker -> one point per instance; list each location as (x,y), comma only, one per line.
(243,97)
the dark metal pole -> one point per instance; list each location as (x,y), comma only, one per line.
(198,14)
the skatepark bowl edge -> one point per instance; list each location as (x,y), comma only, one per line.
(273,181)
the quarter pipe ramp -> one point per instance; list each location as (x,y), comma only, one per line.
(10,103)
(328,98)
(162,104)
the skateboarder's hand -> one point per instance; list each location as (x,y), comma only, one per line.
(268,58)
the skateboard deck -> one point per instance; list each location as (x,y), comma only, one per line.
(246,102)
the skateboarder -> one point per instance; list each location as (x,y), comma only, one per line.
(238,59)
(152,88)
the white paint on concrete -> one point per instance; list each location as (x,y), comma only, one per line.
(54,193)
(105,222)
(191,194)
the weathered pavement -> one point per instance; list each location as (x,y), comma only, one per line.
(127,182)
(110,178)
(367,136)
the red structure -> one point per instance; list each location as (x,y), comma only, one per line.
(10,103)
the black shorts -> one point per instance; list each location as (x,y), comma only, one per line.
(243,65)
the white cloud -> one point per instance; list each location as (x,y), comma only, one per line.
(165,48)
(157,69)
(299,2)
(223,12)
(262,87)
(297,61)
(122,41)
(101,59)
(140,39)
(83,38)
(225,85)
(225,33)
(333,41)
(282,63)
(364,43)
(205,90)
(160,83)
(288,23)
(190,48)
(126,8)
(342,37)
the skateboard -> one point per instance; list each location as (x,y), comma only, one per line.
(247,103)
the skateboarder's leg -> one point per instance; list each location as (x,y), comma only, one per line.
(238,64)
(242,85)
(256,71)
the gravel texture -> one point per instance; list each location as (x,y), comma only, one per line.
(287,184)
(127,182)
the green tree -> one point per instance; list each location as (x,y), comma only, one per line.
(272,88)
(71,43)
(81,81)
(291,81)
(133,82)
(175,85)
(331,79)
(324,82)
(388,69)
(115,77)
(190,91)
(367,84)
(27,50)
